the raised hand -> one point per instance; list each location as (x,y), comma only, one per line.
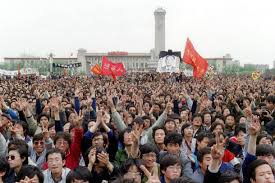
(254,127)
(152,177)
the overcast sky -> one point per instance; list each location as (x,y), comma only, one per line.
(243,28)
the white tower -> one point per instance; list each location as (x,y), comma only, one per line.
(159,31)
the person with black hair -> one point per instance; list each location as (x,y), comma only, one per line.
(188,142)
(30,174)
(170,125)
(100,166)
(264,138)
(57,171)
(130,170)
(173,142)
(159,135)
(80,174)
(170,167)
(4,168)
(17,158)
(149,156)
(260,171)
(204,158)
(197,125)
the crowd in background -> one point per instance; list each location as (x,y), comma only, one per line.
(144,127)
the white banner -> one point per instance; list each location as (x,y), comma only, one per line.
(169,63)
(26,71)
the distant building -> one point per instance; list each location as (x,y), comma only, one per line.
(273,64)
(133,62)
(259,67)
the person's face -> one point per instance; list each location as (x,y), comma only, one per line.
(184,115)
(172,172)
(39,146)
(242,120)
(204,143)
(14,159)
(19,129)
(149,159)
(218,129)
(132,110)
(35,179)
(170,126)
(268,158)
(128,139)
(265,140)
(62,145)
(55,163)
(230,121)
(79,181)
(147,123)
(52,132)
(197,121)
(72,117)
(146,107)
(206,161)
(44,120)
(159,136)
(173,148)
(133,174)
(263,174)
(188,132)
(241,138)
(177,121)
(226,112)
(98,141)
(207,119)
(269,105)
(156,108)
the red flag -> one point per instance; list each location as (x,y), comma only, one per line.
(96,69)
(110,68)
(192,57)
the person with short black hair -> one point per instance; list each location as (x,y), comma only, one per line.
(158,136)
(80,174)
(260,171)
(57,171)
(170,125)
(170,167)
(197,125)
(173,142)
(30,173)
(130,170)
(188,145)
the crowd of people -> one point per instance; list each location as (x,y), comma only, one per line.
(140,128)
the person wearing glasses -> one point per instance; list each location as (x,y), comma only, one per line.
(41,144)
(17,158)
(170,166)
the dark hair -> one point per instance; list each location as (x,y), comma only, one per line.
(197,116)
(205,114)
(264,150)
(168,160)
(173,138)
(22,151)
(63,135)
(127,164)
(138,120)
(228,176)
(42,115)
(263,135)
(55,150)
(202,153)
(121,135)
(157,128)
(23,124)
(240,128)
(105,137)
(30,171)
(185,125)
(271,98)
(4,165)
(255,164)
(79,173)
(215,124)
(203,135)
(147,148)
(38,137)
(168,120)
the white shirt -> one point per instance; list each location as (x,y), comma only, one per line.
(48,176)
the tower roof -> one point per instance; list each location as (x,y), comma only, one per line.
(160,10)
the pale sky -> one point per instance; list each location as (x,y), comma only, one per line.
(243,28)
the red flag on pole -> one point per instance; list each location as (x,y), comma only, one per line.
(192,57)
(113,69)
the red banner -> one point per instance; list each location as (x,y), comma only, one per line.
(192,57)
(110,68)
